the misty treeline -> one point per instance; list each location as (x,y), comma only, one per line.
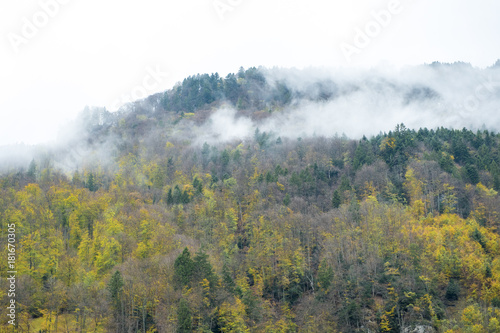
(196,210)
(263,88)
(266,234)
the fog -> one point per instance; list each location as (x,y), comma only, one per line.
(323,102)
(370,102)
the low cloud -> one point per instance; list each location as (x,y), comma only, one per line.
(322,102)
(369,102)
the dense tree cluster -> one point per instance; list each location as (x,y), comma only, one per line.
(268,234)
(248,89)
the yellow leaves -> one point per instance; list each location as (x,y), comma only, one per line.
(113,226)
(488,294)
(142,250)
(285,324)
(239,147)
(148,172)
(370,192)
(225,237)
(48,320)
(494,326)
(230,183)
(479,213)
(85,251)
(456,246)
(14,216)
(242,282)
(485,191)
(108,255)
(298,262)
(388,143)
(205,284)
(471,316)
(33,190)
(417,208)
(384,323)
(414,188)
(281,187)
(180,178)
(372,199)
(232,317)
(254,177)
(391,271)
(426,302)
(189,189)
(258,286)
(210,202)
(449,199)
(232,217)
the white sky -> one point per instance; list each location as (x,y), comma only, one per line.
(91,52)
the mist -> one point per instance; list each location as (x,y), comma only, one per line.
(358,103)
(321,102)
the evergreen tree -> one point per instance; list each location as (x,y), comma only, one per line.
(32,170)
(183,268)
(325,276)
(336,199)
(471,174)
(91,182)
(205,155)
(202,269)
(170,198)
(115,289)
(184,321)
(286,200)
(198,185)
(184,197)
(453,290)
(177,195)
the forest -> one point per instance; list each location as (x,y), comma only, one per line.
(262,234)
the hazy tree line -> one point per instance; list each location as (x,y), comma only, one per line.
(151,232)
(269,234)
(246,90)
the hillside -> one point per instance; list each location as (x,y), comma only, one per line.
(236,204)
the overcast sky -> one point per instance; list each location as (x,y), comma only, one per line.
(58,56)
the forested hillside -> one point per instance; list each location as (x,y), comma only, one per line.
(136,226)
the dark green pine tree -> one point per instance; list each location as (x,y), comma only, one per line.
(202,269)
(115,288)
(76,178)
(170,198)
(471,174)
(496,182)
(227,279)
(336,199)
(91,182)
(197,185)
(184,321)
(452,290)
(205,155)
(363,155)
(286,200)
(32,170)
(177,195)
(183,268)
(495,172)
(325,276)
(345,185)
(185,197)
(225,158)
